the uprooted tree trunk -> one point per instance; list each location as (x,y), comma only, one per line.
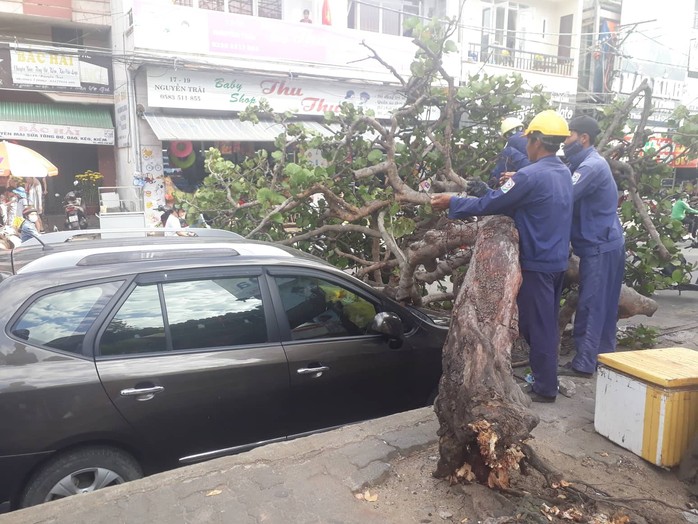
(481,410)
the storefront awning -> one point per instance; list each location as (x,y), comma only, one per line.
(169,127)
(56,123)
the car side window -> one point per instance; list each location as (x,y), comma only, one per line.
(205,313)
(318,308)
(137,327)
(60,320)
(215,313)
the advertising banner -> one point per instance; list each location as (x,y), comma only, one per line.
(56,133)
(180,31)
(227,91)
(668,152)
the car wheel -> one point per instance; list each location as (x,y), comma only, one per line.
(80,471)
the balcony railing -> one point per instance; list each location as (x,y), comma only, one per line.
(520,60)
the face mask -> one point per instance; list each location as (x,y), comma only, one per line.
(572,149)
(32,218)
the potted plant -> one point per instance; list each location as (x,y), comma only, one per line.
(88,182)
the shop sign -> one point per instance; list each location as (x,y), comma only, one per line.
(56,133)
(122,117)
(47,69)
(36,69)
(670,152)
(227,91)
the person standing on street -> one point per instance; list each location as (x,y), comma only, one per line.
(513,157)
(539,199)
(597,239)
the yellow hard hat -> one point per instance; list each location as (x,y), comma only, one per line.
(510,123)
(549,123)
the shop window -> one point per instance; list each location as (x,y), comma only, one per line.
(263,8)
(241,7)
(213,5)
(387,17)
(269,9)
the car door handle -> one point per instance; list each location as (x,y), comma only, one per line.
(142,393)
(316,371)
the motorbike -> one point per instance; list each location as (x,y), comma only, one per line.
(74,211)
(9,239)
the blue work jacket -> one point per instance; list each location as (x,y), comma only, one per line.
(539,199)
(596,227)
(513,157)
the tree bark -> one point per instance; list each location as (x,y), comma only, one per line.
(481,410)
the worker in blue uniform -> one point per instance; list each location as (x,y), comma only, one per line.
(539,199)
(597,239)
(513,157)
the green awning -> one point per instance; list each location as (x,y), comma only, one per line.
(56,114)
(70,123)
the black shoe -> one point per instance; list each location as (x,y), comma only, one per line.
(537,397)
(568,371)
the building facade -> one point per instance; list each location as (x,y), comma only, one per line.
(185,69)
(56,86)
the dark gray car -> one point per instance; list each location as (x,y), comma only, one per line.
(119,359)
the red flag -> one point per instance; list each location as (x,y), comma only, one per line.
(326,15)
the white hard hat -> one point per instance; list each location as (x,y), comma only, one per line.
(510,123)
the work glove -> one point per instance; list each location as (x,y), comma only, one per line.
(477,188)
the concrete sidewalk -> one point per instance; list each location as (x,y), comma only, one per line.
(314,479)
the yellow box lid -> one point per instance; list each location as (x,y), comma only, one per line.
(667,367)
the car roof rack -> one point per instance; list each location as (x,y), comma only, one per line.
(100,259)
(90,255)
(75,235)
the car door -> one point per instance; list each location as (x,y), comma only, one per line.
(339,372)
(192,360)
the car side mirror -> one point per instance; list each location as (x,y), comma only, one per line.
(388,324)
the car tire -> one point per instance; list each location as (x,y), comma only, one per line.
(80,471)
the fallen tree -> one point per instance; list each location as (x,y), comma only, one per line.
(365,208)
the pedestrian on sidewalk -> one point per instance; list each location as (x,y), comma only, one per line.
(597,239)
(539,199)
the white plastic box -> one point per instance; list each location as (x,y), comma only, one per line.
(647,402)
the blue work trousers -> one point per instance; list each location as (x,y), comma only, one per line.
(539,306)
(596,319)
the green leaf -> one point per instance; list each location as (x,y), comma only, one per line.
(375,156)
(292,169)
(403,226)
